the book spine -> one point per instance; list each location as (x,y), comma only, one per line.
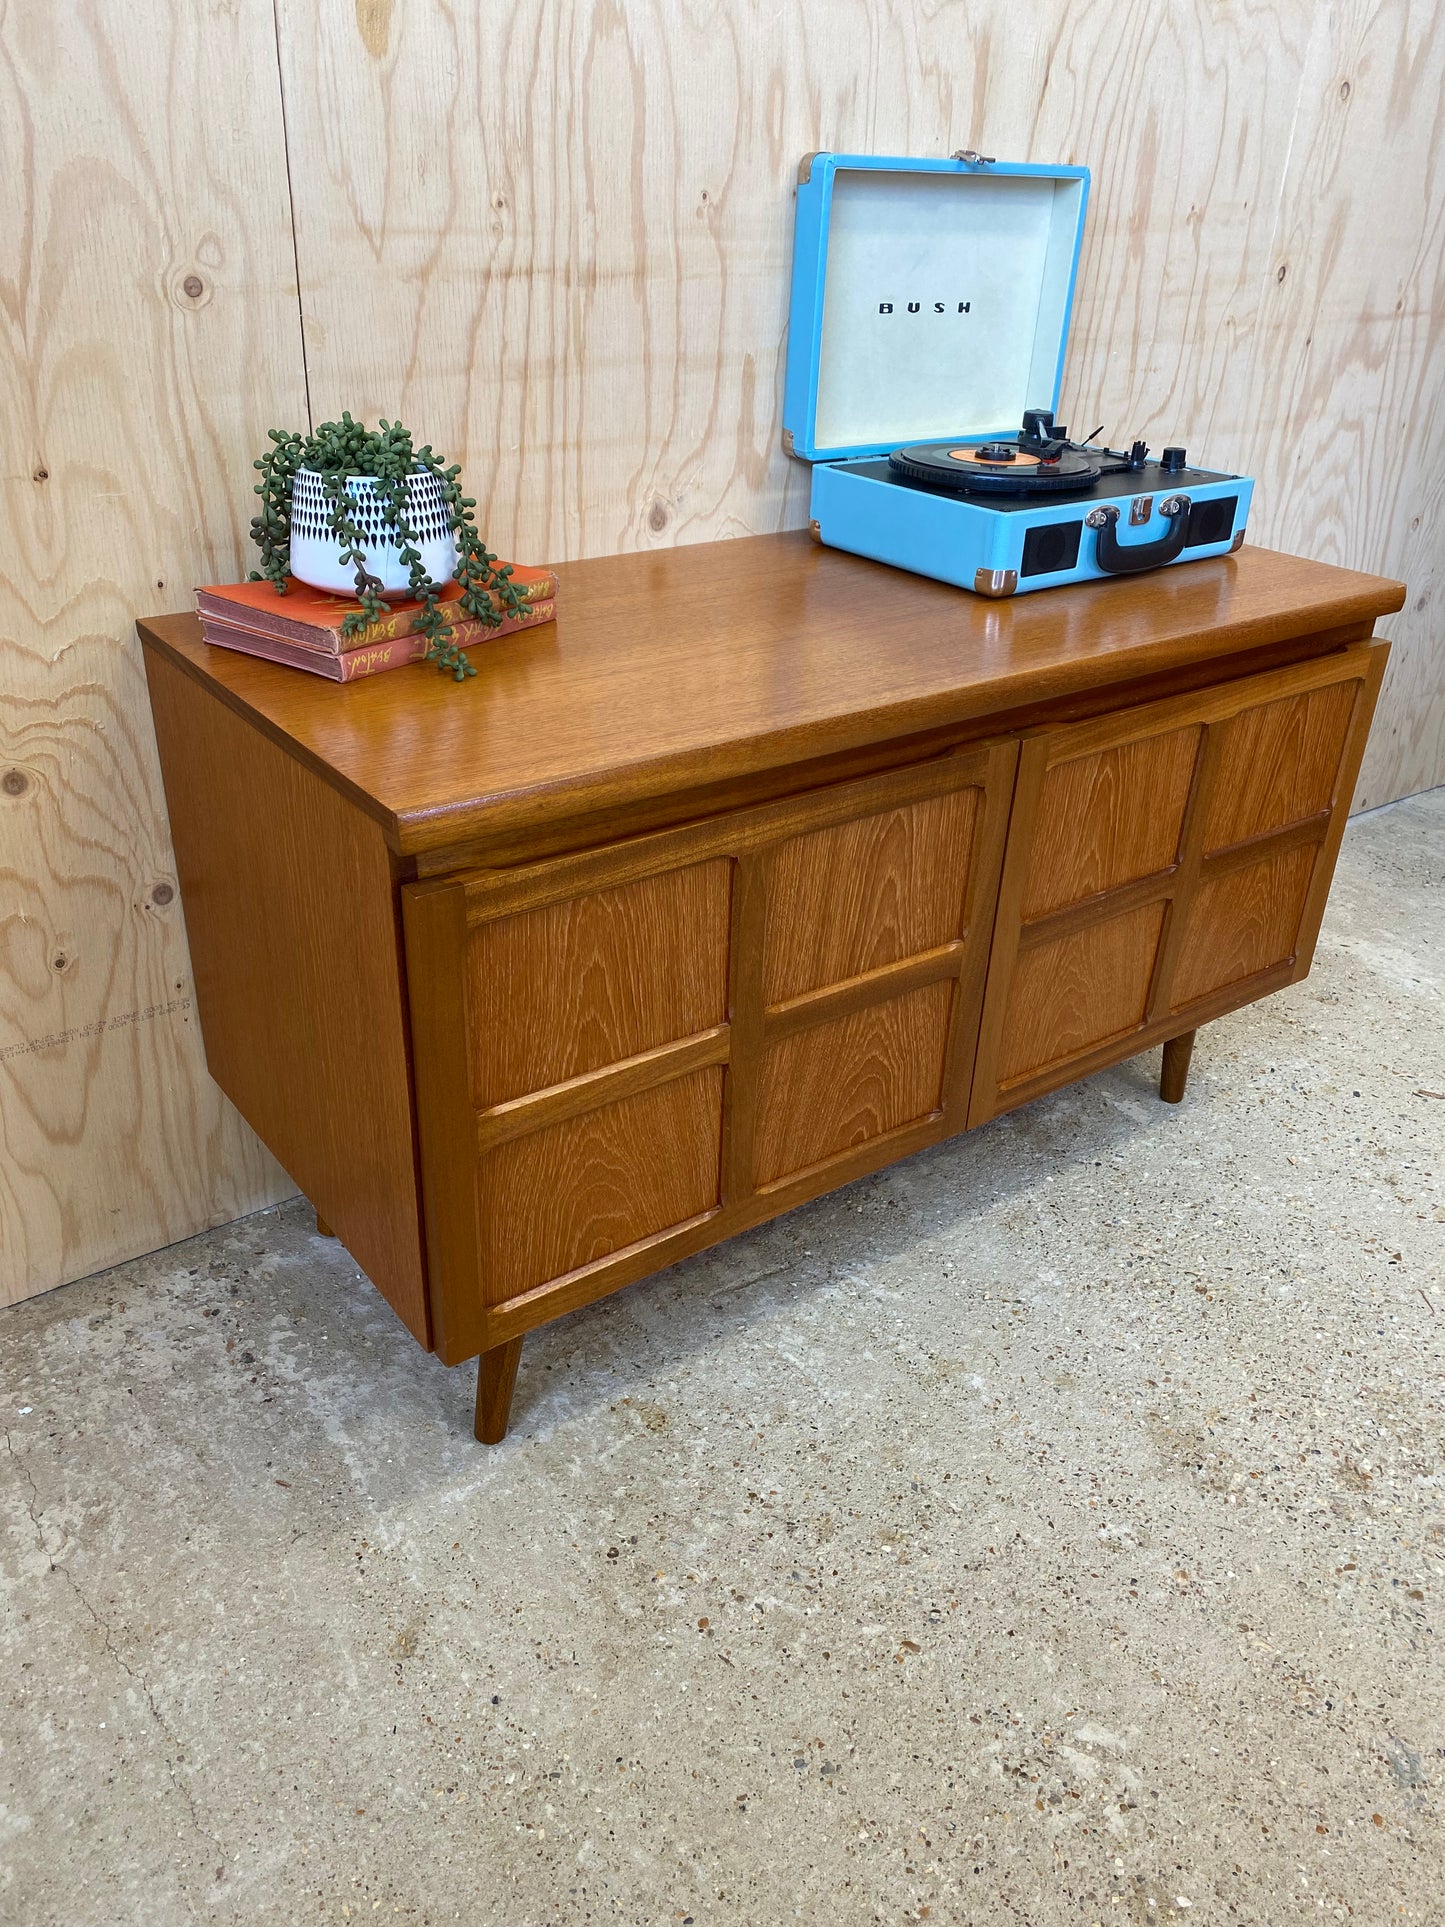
(250,642)
(376,656)
(392,628)
(316,642)
(365,661)
(349,665)
(535,588)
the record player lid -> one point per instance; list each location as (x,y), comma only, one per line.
(930,299)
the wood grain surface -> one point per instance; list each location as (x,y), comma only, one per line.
(1277,764)
(594,1184)
(1342,410)
(1240,924)
(588,305)
(297,952)
(861,895)
(619,1166)
(1217,904)
(1075,993)
(556,238)
(839,1084)
(1103,838)
(576,985)
(662,673)
(148,333)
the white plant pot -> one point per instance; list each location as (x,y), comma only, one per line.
(316,554)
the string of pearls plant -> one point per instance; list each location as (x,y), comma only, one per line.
(376,487)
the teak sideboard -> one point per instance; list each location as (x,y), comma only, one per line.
(762,867)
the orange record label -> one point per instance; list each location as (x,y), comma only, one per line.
(1021,460)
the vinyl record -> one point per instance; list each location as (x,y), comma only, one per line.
(993,468)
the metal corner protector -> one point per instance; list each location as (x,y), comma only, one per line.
(995,582)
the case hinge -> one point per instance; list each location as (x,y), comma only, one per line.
(973,158)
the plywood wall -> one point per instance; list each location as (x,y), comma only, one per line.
(554,236)
(148,302)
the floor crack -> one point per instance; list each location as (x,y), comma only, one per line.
(33,1502)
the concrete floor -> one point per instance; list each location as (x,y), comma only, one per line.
(1051,1529)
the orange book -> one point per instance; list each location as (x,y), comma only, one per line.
(313,617)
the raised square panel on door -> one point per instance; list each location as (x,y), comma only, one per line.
(571,986)
(1241,924)
(1166,863)
(1077,991)
(1109,816)
(834,1086)
(854,897)
(560,1198)
(1277,764)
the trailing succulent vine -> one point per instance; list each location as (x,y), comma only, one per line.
(341,449)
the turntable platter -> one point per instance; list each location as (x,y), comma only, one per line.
(993,468)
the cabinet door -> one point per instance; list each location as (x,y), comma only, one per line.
(1166,864)
(625,1053)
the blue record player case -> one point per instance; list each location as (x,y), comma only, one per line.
(930,305)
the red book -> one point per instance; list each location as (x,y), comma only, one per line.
(314,616)
(345,665)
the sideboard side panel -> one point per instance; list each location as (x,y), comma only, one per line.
(292,919)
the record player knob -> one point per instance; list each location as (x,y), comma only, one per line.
(1172,460)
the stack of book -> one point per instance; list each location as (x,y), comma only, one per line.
(304,627)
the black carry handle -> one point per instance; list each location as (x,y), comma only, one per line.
(1114,558)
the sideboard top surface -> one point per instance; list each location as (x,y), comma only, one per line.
(677,668)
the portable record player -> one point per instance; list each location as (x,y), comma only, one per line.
(926,338)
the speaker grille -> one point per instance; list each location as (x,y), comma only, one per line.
(1051,547)
(1211,522)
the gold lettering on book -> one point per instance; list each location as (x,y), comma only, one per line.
(388,628)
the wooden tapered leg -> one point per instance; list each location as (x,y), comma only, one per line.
(1172,1078)
(323,1229)
(496,1377)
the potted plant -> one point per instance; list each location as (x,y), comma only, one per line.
(365,511)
